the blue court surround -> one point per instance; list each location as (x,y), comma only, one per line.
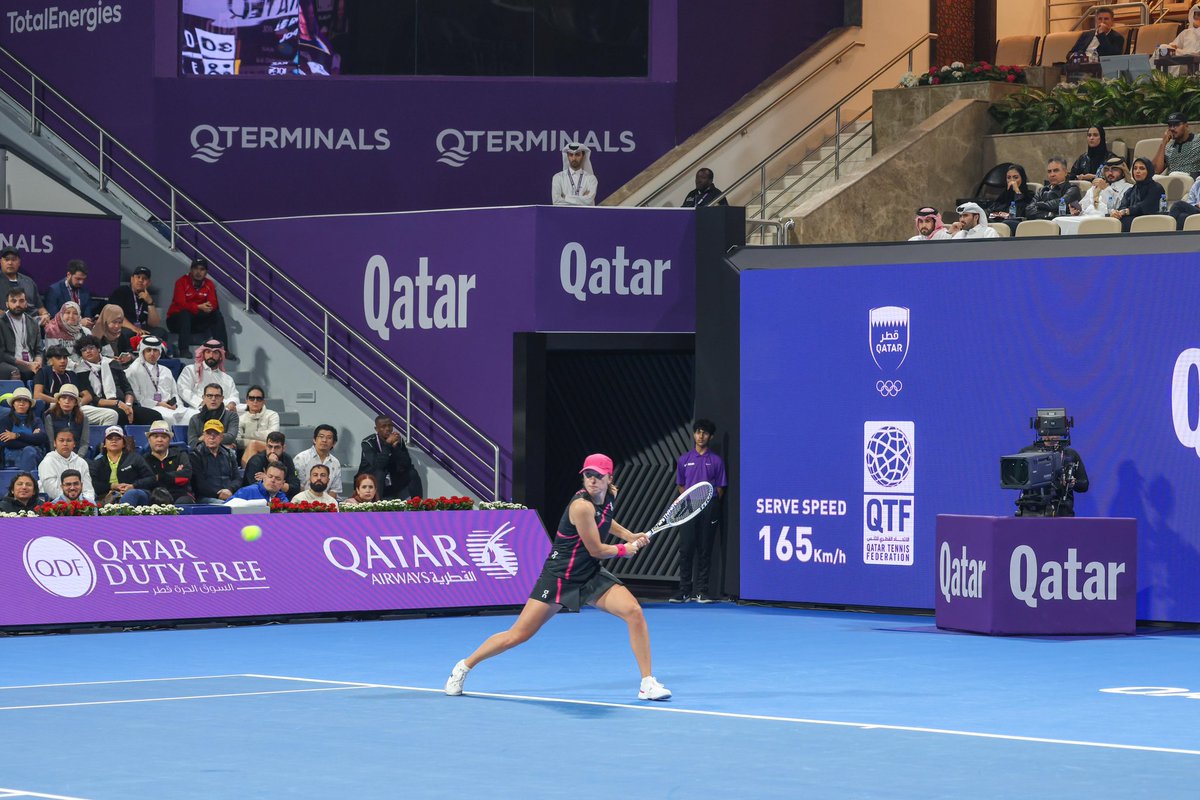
(768,703)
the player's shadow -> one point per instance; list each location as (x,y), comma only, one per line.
(567,709)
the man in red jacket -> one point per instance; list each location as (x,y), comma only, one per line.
(194,311)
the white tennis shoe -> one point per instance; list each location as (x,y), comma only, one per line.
(458,676)
(651,689)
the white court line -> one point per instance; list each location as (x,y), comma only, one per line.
(764,717)
(20,793)
(183,697)
(131,680)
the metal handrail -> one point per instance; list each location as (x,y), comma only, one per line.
(1144,8)
(781,226)
(36,88)
(741,129)
(839,155)
(835,110)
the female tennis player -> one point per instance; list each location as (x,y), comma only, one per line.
(573,575)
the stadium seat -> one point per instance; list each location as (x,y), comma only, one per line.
(1176,185)
(1153,223)
(1192,223)
(1145,148)
(1089,226)
(6,479)
(1119,148)
(1149,37)
(1001,228)
(1082,186)
(1056,46)
(180,436)
(9,386)
(1018,51)
(138,434)
(1033,187)
(1037,227)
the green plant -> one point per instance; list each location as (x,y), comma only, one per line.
(1146,101)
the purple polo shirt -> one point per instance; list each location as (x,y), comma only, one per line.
(694,468)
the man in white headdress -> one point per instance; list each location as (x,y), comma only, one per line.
(153,384)
(576,184)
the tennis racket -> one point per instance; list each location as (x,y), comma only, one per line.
(685,507)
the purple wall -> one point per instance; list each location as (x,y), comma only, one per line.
(48,241)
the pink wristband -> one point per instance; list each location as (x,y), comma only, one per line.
(620,551)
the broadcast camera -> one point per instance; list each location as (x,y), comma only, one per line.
(1041,475)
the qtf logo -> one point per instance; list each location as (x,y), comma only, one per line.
(888,457)
(1181,398)
(889,468)
(454,147)
(492,554)
(887,335)
(60,567)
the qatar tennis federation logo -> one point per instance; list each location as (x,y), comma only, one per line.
(60,567)
(492,554)
(889,470)
(889,457)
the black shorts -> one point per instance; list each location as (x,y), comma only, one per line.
(572,594)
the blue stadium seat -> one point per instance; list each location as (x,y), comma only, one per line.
(138,433)
(8,386)
(6,478)
(174,364)
(180,435)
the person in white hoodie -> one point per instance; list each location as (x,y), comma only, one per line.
(154,385)
(1187,43)
(576,185)
(208,368)
(929,226)
(971,223)
(62,458)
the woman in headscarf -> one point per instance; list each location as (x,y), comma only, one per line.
(66,329)
(1016,190)
(1091,163)
(116,341)
(1142,198)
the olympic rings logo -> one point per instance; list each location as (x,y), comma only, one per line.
(889,388)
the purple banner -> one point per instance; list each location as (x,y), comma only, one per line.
(64,570)
(1010,575)
(442,293)
(48,241)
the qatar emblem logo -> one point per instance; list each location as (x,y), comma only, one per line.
(889,336)
(492,554)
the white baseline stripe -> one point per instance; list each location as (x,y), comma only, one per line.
(131,680)
(184,697)
(764,717)
(19,793)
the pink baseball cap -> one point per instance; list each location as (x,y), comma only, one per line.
(599,462)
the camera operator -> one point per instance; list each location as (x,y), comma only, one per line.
(1058,498)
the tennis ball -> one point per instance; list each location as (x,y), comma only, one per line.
(251,532)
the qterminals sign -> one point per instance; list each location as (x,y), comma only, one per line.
(856,434)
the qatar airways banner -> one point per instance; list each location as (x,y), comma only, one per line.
(124,569)
(47,242)
(443,292)
(891,396)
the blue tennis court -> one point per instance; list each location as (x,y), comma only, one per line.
(768,703)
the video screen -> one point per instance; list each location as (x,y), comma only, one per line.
(260,37)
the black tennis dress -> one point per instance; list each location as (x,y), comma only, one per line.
(571,576)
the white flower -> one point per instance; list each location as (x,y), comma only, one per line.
(957,74)
(958,65)
(500,505)
(944,69)
(909,80)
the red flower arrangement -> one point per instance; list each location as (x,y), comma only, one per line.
(959,72)
(66,508)
(303,507)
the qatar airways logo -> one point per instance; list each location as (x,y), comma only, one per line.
(211,142)
(455,147)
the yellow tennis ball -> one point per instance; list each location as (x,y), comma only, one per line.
(251,532)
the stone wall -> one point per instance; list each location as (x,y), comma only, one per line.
(1031,150)
(935,163)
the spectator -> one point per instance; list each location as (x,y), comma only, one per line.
(115,341)
(54,376)
(705,192)
(1189,205)
(274,454)
(106,386)
(1144,197)
(318,483)
(970,223)
(66,414)
(22,495)
(142,317)
(1107,190)
(386,458)
(194,309)
(255,423)
(209,367)
(71,290)
(214,466)
(1188,40)
(1179,150)
(153,385)
(1016,191)
(696,537)
(171,467)
(1088,166)
(212,410)
(22,433)
(20,339)
(10,267)
(929,226)
(65,329)
(73,486)
(576,185)
(1057,193)
(269,487)
(62,458)
(1103,41)
(365,490)
(324,438)
(119,474)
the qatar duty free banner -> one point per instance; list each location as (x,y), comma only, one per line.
(875,398)
(113,569)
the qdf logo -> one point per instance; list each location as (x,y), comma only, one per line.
(60,567)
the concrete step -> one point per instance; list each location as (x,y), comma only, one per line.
(289,418)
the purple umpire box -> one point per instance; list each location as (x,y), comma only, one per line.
(1028,575)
